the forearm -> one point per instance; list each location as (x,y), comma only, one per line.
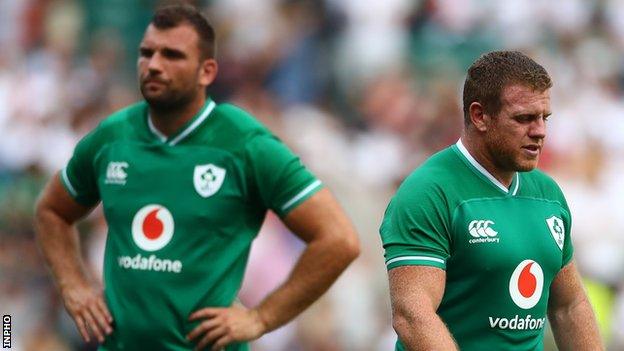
(416,292)
(318,267)
(575,327)
(58,240)
(60,245)
(425,331)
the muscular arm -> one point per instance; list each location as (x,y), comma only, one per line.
(55,215)
(570,314)
(415,293)
(331,245)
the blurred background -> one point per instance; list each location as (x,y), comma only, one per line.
(363,90)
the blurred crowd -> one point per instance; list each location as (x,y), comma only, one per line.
(363,90)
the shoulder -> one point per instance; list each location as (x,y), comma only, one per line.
(437,172)
(126,115)
(121,121)
(116,126)
(235,121)
(431,181)
(541,184)
(538,184)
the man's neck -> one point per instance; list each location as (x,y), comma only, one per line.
(170,121)
(478,150)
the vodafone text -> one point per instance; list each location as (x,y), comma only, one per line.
(151,263)
(517,323)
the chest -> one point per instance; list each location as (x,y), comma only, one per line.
(496,235)
(195,184)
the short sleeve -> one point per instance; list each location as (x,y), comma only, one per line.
(79,176)
(415,228)
(281,179)
(568,249)
(555,193)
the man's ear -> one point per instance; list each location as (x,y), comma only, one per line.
(478,116)
(208,72)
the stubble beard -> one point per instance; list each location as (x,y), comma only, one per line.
(169,101)
(508,159)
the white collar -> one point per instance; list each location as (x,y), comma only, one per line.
(485,172)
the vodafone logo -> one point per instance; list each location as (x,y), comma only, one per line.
(152,227)
(526,284)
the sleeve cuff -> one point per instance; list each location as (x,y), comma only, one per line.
(300,197)
(416,261)
(67,184)
(71,190)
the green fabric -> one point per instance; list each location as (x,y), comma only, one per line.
(449,215)
(181,212)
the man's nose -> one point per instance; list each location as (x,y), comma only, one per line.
(538,128)
(155,63)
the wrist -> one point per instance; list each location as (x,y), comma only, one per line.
(71,283)
(261,320)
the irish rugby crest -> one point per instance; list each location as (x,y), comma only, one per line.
(555,225)
(208,179)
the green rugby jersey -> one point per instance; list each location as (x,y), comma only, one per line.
(182,212)
(501,248)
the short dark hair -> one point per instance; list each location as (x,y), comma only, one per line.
(171,16)
(492,72)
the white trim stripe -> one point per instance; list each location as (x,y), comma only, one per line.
(517,184)
(410,258)
(301,194)
(156,132)
(70,187)
(480,168)
(195,124)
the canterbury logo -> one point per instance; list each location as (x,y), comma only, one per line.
(116,173)
(482,231)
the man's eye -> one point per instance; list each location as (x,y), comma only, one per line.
(174,54)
